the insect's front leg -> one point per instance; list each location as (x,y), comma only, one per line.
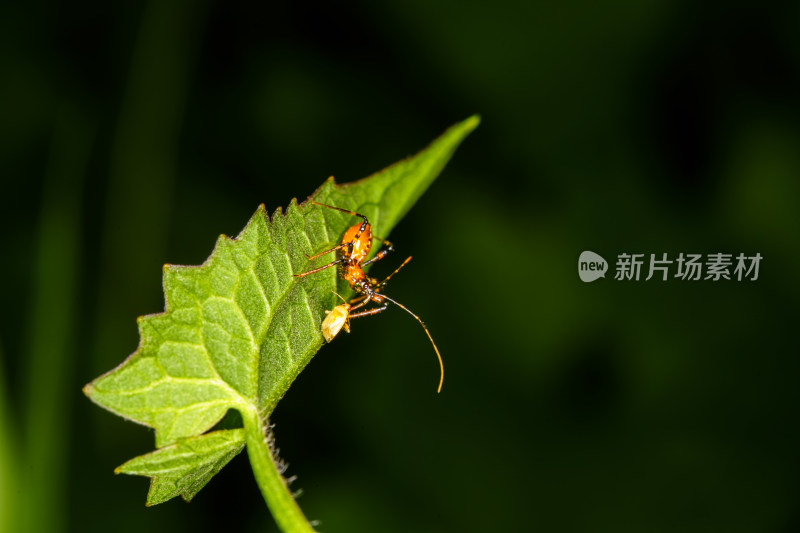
(373,311)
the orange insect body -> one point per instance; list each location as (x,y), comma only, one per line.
(351,255)
(358,239)
(361,239)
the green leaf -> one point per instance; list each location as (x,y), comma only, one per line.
(183,468)
(238,329)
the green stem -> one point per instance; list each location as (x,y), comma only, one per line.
(273,486)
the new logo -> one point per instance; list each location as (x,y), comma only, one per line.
(591,266)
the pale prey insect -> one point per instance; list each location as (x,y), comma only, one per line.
(336,319)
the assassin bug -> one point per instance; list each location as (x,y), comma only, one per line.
(351,253)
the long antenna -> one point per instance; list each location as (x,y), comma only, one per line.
(421,323)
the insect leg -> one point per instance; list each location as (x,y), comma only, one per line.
(385,249)
(320,254)
(367,312)
(340,209)
(387,278)
(359,301)
(306,273)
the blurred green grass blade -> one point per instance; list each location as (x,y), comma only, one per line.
(50,341)
(185,467)
(237,330)
(144,164)
(8,469)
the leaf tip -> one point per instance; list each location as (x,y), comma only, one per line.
(470,123)
(88,390)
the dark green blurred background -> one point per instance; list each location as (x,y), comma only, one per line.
(133,134)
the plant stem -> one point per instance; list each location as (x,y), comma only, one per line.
(273,486)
